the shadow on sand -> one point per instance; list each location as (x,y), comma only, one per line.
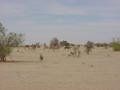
(13,61)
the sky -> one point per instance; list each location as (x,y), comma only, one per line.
(76,21)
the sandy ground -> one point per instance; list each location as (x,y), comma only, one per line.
(24,71)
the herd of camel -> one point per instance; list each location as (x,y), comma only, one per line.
(74,49)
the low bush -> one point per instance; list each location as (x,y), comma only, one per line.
(116,46)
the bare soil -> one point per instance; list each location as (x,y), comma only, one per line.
(25,71)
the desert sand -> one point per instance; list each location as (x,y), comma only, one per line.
(58,71)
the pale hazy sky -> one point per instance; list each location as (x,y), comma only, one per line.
(72,20)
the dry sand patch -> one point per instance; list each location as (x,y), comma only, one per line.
(24,71)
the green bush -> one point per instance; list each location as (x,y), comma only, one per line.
(7,41)
(5,50)
(64,43)
(116,46)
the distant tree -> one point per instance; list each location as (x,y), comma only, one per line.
(89,45)
(98,44)
(54,43)
(7,41)
(14,39)
(37,45)
(65,44)
(105,45)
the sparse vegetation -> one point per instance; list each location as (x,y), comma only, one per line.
(116,46)
(7,41)
(64,43)
(54,43)
(89,45)
(105,45)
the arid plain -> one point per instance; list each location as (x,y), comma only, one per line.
(25,71)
